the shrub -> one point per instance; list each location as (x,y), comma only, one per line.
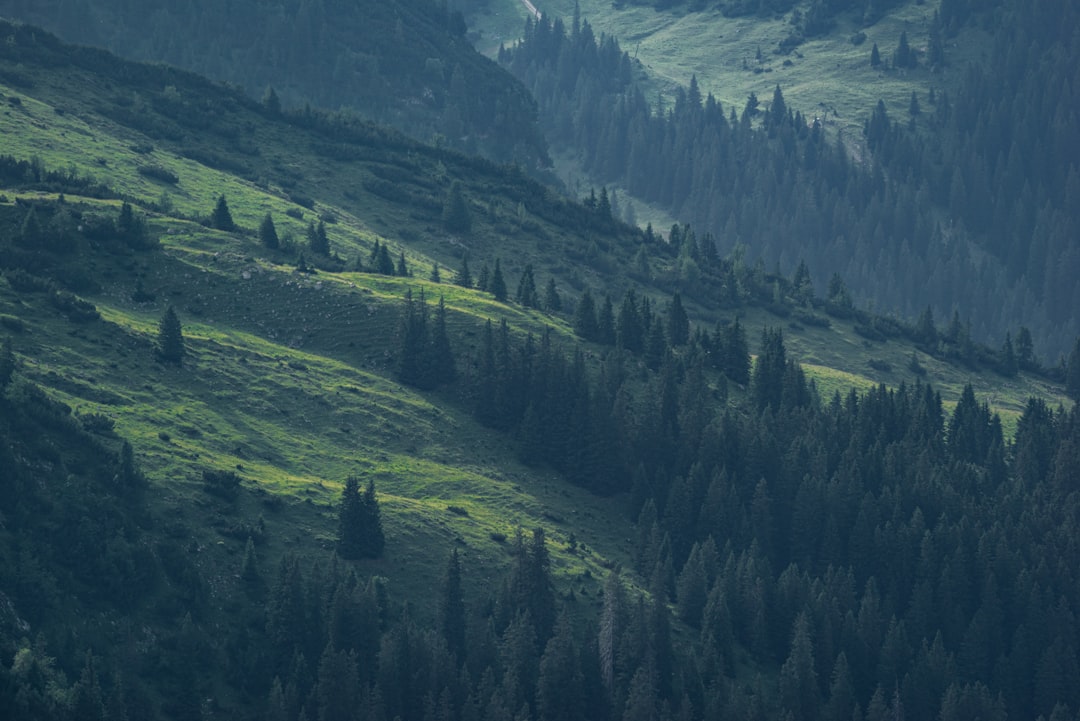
(157,172)
(224,484)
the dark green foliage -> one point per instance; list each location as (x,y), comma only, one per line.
(170,338)
(7,364)
(905,56)
(131,228)
(678,324)
(268,233)
(436,276)
(318,242)
(360,533)
(425,358)
(224,484)
(526,290)
(1072,373)
(463,277)
(552,299)
(497,285)
(585,317)
(456,217)
(875,56)
(402,268)
(452,609)
(221,218)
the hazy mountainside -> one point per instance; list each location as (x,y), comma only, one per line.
(960,191)
(248,297)
(404,64)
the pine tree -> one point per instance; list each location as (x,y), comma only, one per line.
(678,324)
(464,277)
(526,290)
(585,317)
(271,102)
(875,56)
(170,340)
(552,300)
(452,609)
(221,218)
(436,276)
(442,355)
(351,521)
(402,269)
(497,284)
(374,539)
(318,242)
(268,233)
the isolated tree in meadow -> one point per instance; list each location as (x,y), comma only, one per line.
(170,340)
(221,218)
(268,233)
(875,56)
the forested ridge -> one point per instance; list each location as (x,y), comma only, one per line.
(793,554)
(966,200)
(405,64)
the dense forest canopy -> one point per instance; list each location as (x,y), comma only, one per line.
(967,200)
(405,64)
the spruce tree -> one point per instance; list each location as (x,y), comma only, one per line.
(436,276)
(678,324)
(170,341)
(318,242)
(552,301)
(402,269)
(351,521)
(221,218)
(498,285)
(875,56)
(464,277)
(452,609)
(526,290)
(374,539)
(585,317)
(268,233)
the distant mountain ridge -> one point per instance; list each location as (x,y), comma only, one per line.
(405,64)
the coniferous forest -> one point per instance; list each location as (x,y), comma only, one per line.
(965,200)
(768,538)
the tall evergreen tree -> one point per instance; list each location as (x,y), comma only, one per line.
(452,609)
(497,286)
(526,290)
(351,521)
(7,364)
(268,233)
(318,242)
(552,300)
(678,324)
(221,218)
(170,339)
(585,317)
(464,277)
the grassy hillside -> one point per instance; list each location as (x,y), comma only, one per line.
(828,77)
(290,377)
(291,374)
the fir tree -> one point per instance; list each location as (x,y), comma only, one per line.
(526,290)
(221,218)
(875,56)
(373,537)
(497,284)
(402,269)
(552,300)
(318,242)
(463,276)
(170,340)
(452,609)
(435,276)
(678,324)
(353,523)
(268,233)
(585,317)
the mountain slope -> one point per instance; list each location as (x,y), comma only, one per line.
(292,381)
